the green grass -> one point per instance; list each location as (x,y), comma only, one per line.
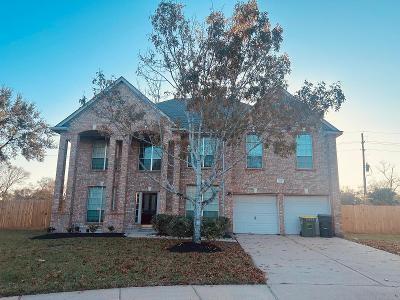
(43,266)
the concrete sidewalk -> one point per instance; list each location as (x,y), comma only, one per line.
(184,292)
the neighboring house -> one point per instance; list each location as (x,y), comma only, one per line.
(100,180)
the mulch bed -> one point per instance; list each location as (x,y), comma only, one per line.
(388,246)
(193,247)
(65,235)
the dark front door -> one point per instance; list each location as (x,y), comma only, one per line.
(149,207)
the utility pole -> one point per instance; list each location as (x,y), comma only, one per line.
(363,157)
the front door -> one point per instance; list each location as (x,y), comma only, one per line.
(149,207)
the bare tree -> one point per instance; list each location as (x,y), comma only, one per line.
(229,75)
(10,177)
(391,178)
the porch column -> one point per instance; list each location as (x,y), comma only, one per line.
(73,162)
(176,174)
(58,203)
(122,201)
(162,201)
(110,182)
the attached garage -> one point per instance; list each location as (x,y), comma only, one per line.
(255,214)
(296,206)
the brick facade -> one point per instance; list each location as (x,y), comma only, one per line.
(123,174)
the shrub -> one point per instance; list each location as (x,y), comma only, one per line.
(160,223)
(70,229)
(111,228)
(77,229)
(93,228)
(214,228)
(50,229)
(180,227)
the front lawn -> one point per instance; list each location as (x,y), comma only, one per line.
(42,266)
(386,242)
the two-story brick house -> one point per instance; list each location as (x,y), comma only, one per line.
(100,180)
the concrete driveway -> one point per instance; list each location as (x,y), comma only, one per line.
(318,268)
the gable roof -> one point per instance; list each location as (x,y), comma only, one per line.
(175,109)
(64,124)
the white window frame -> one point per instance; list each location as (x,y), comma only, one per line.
(312,152)
(202,198)
(151,158)
(105,154)
(202,154)
(102,204)
(247,153)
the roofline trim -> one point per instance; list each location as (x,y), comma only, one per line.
(121,79)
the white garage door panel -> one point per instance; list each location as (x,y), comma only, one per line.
(255,214)
(296,206)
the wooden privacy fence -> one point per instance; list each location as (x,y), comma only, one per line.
(25,214)
(371,219)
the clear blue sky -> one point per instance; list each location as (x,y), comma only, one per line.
(50,50)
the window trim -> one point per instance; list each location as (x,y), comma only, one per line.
(151,159)
(246,154)
(104,198)
(312,153)
(105,158)
(202,212)
(202,155)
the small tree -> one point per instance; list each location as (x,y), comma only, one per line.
(350,197)
(383,196)
(10,177)
(229,75)
(391,179)
(22,130)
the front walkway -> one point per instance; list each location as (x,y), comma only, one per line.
(323,268)
(184,292)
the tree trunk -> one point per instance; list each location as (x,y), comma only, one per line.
(197,206)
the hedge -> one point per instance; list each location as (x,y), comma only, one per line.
(182,226)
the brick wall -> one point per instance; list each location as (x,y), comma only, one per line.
(129,180)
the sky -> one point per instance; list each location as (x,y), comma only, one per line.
(50,51)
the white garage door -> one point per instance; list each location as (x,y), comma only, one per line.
(255,214)
(296,206)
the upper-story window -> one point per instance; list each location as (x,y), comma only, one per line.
(206,153)
(304,151)
(254,151)
(99,155)
(150,157)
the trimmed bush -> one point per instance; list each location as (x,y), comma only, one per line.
(214,228)
(180,227)
(160,223)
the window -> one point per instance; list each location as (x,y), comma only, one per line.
(254,151)
(149,157)
(96,203)
(211,210)
(206,153)
(304,151)
(99,155)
